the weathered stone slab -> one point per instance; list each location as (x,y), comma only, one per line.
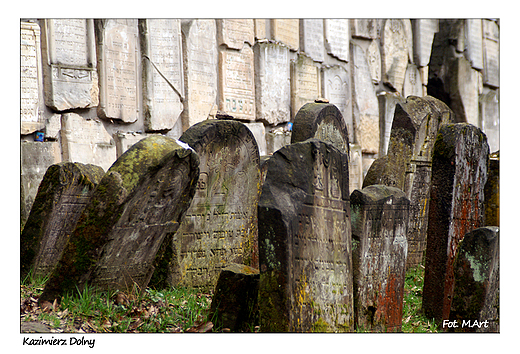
(200,70)
(63,194)
(459,174)
(277,140)
(258,130)
(31,78)
(336,87)
(118,69)
(286,31)
(305,82)
(70,75)
(364,28)
(476,300)
(374,61)
(492,192)
(237,83)
(394,53)
(235,32)
(423,32)
(235,302)
(490,117)
(125,140)
(366,107)
(260,28)
(337,36)
(305,241)
(86,141)
(464,81)
(163,77)
(220,226)
(311,39)
(491,53)
(412,85)
(387,102)
(136,207)
(355,168)
(322,121)
(473,41)
(272,83)
(379,249)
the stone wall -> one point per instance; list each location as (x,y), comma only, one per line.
(93,87)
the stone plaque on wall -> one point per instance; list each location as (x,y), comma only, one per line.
(394,53)
(364,28)
(286,31)
(311,38)
(337,36)
(86,141)
(260,28)
(305,82)
(201,60)
(272,83)
(118,69)
(474,42)
(235,32)
(423,32)
(70,75)
(491,53)
(163,77)
(30,78)
(237,83)
(336,87)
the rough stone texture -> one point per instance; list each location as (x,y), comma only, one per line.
(305,82)
(322,121)
(125,140)
(163,76)
(477,282)
(70,75)
(136,206)
(394,53)
(311,39)
(118,69)
(220,226)
(272,83)
(286,31)
(379,217)
(235,302)
(86,141)
(459,173)
(337,88)
(200,70)
(305,241)
(235,32)
(63,194)
(492,192)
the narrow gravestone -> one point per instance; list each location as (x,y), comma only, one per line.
(337,88)
(379,217)
(491,46)
(476,300)
(235,32)
(220,226)
(63,194)
(305,82)
(394,53)
(337,34)
(459,173)
(311,38)
(305,241)
(492,191)
(137,204)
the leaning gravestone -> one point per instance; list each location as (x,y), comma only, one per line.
(305,241)
(63,194)
(220,226)
(475,304)
(136,205)
(379,225)
(459,174)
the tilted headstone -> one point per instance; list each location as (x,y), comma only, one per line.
(220,226)
(63,194)
(163,76)
(459,174)
(476,300)
(305,241)
(394,53)
(118,68)
(136,206)
(70,78)
(379,217)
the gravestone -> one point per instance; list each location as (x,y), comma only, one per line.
(337,35)
(31,78)
(118,68)
(379,217)
(374,61)
(70,75)
(63,194)
(260,28)
(235,32)
(364,28)
(387,102)
(220,226)
(200,56)
(337,88)
(355,167)
(464,81)
(412,85)
(286,31)
(305,241)
(237,83)
(137,205)
(492,191)
(476,268)
(491,46)
(305,82)
(473,38)
(163,77)
(311,39)
(125,140)
(459,173)
(272,83)
(394,53)
(490,117)
(423,32)
(86,141)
